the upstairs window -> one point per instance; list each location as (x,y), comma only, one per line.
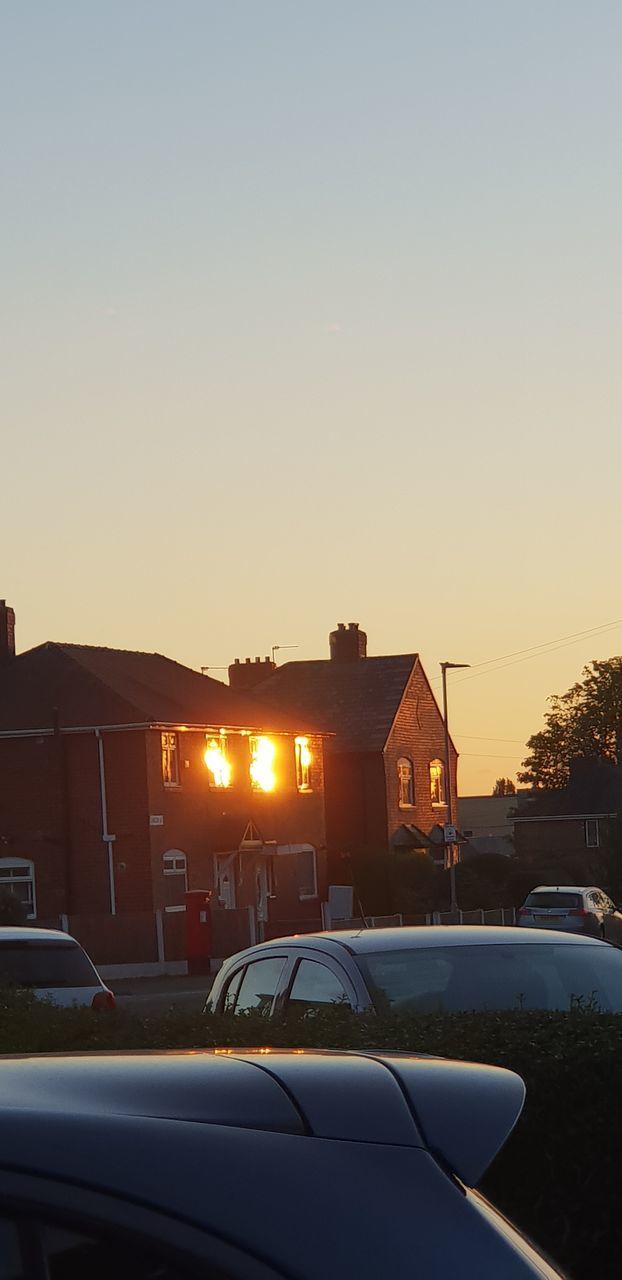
(406,783)
(306,868)
(263,751)
(170,760)
(217,761)
(303,764)
(437,782)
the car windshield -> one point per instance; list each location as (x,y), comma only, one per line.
(496,976)
(563,900)
(45,964)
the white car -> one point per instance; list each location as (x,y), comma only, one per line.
(51,964)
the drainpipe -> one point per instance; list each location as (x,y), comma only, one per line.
(107,838)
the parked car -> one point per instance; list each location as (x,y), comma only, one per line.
(573,908)
(52,965)
(424,969)
(254,1166)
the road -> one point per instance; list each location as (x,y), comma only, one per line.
(149,996)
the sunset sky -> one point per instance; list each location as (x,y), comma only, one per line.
(311,312)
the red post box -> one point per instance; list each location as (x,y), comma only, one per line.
(198,930)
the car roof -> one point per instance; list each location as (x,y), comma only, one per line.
(465,1110)
(19,933)
(563,888)
(366,941)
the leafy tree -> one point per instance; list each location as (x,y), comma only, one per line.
(585,721)
(504,787)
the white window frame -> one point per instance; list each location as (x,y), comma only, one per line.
(402,761)
(5,879)
(308,897)
(434,764)
(592,844)
(170,867)
(303,771)
(169,743)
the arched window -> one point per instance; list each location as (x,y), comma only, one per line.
(17,876)
(437,781)
(406,783)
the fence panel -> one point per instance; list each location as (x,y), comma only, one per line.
(129,938)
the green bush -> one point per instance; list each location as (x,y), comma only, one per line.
(557,1178)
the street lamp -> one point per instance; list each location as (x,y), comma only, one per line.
(445,667)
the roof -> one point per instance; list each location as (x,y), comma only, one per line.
(92,687)
(563,888)
(464,1110)
(366,941)
(17,933)
(356,701)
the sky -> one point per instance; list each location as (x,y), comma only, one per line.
(312,313)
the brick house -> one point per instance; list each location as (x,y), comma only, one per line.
(386,783)
(574,831)
(128,779)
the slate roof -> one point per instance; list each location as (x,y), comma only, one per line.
(93,686)
(357,701)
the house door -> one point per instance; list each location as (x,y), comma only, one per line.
(225,879)
(261,881)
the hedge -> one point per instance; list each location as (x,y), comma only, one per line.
(557,1178)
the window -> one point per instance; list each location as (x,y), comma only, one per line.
(259,986)
(170,760)
(314,987)
(262,773)
(303,764)
(39,965)
(17,878)
(175,870)
(306,869)
(36,1249)
(406,783)
(217,760)
(437,782)
(591,833)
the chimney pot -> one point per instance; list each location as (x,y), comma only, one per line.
(7,631)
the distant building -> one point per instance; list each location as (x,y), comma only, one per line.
(577,825)
(487,823)
(385,777)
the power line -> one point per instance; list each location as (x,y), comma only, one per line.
(535,651)
(474,737)
(485,755)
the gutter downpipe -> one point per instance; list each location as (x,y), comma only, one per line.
(107,838)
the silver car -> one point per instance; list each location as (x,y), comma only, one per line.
(573,908)
(453,968)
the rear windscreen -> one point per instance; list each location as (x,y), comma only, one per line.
(45,964)
(562,900)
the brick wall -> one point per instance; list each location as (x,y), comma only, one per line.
(419,735)
(31,815)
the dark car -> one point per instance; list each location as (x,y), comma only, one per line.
(573,908)
(446,967)
(253,1166)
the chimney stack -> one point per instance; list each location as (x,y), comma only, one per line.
(7,631)
(347,644)
(245,675)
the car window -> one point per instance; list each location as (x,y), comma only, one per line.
(596,899)
(498,976)
(231,992)
(548,900)
(259,985)
(26,963)
(32,1250)
(314,987)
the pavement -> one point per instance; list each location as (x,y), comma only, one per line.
(156,995)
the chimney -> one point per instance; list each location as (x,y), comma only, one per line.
(245,675)
(347,644)
(7,631)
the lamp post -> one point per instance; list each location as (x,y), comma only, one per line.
(445,667)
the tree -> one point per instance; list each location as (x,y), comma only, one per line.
(585,721)
(504,787)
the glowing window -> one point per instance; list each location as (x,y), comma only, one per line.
(217,761)
(406,783)
(437,781)
(170,760)
(262,773)
(303,764)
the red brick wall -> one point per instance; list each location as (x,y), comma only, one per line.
(418,734)
(201,820)
(541,839)
(31,815)
(356,816)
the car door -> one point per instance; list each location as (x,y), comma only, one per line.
(318,982)
(254,987)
